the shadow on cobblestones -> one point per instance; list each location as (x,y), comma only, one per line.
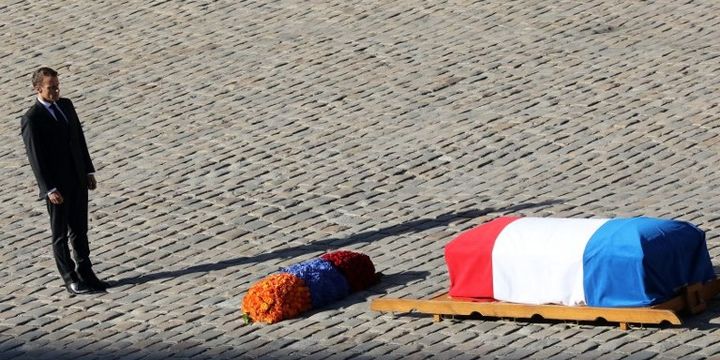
(334,243)
(387,283)
(191,351)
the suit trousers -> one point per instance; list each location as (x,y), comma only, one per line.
(69,225)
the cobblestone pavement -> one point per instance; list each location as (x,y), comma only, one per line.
(234,137)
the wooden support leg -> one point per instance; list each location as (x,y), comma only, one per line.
(437,317)
(624,326)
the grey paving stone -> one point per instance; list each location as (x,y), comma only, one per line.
(234,138)
(681,351)
(641,355)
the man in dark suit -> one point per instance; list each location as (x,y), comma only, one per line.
(60,160)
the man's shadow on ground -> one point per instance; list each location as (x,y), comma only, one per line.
(335,243)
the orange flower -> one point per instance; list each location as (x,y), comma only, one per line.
(276,297)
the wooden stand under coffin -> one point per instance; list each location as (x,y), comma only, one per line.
(692,300)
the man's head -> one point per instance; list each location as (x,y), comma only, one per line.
(46,84)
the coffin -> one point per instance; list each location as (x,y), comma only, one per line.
(622,262)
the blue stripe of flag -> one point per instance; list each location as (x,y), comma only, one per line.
(643,261)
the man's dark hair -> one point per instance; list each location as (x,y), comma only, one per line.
(39,74)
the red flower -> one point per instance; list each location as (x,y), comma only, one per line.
(357,268)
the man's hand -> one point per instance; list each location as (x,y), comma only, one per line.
(92,183)
(55,198)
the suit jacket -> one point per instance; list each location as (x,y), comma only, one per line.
(56,150)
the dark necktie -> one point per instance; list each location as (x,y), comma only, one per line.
(58,114)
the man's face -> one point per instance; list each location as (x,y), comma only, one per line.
(49,89)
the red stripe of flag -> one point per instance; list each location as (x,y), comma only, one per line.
(469,259)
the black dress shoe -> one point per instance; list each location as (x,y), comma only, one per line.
(99,285)
(93,282)
(78,288)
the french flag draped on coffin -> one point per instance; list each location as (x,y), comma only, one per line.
(621,262)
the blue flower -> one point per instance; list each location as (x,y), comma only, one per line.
(326,283)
